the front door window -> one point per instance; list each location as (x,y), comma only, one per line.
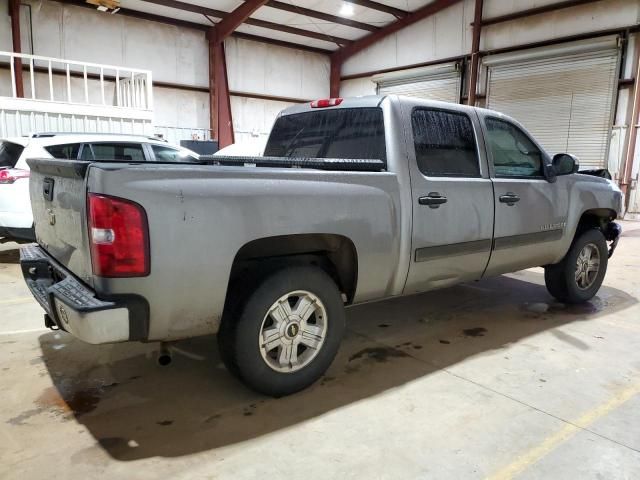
(514,154)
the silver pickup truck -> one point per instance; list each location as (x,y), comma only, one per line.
(355,200)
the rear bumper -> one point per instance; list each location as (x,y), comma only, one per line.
(74,308)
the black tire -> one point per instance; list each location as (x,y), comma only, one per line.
(560,278)
(240,334)
(233,310)
(225,344)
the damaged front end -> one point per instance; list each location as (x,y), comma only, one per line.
(612,232)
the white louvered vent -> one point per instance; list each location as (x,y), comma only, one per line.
(441,82)
(566,101)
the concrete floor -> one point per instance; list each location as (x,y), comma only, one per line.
(486,380)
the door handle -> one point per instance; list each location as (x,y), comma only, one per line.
(433,200)
(509,198)
(47,189)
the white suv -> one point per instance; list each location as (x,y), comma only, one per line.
(16,220)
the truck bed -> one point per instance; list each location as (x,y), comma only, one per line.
(201,215)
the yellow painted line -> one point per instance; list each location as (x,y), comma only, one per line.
(15,300)
(527,459)
(628,326)
(17,332)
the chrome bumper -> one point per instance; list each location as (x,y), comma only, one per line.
(73,307)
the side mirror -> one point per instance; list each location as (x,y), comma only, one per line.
(565,164)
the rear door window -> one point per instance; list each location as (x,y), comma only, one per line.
(445,144)
(9,154)
(129,152)
(67,151)
(338,133)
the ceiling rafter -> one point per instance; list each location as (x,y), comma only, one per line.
(126,12)
(287,7)
(552,7)
(339,56)
(411,18)
(234,19)
(189,7)
(381,7)
(212,12)
(298,31)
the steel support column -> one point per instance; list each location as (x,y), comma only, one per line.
(633,129)
(14,12)
(334,76)
(475,53)
(219,97)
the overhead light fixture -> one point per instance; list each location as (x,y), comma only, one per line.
(346,10)
(109,6)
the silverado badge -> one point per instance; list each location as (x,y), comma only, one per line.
(553,226)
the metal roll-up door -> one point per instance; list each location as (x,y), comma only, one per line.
(563,95)
(439,82)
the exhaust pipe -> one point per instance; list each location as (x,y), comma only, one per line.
(165,357)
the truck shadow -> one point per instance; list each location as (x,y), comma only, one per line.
(136,409)
(10,256)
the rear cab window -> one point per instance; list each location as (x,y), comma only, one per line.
(67,151)
(9,154)
(344,133)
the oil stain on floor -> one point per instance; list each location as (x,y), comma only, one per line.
(379,354)
(474,332)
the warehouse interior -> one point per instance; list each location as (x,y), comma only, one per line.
(489,379)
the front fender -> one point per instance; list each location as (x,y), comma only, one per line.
(589,197)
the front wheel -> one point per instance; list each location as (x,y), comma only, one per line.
(578,277)
(287,333)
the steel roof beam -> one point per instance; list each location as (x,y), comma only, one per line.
(552,7)
(211,12)
(287,7)
(411,18)
(298,31)
(237,17)
(381,7)
(126,12)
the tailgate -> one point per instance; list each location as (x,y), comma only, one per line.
(58,199)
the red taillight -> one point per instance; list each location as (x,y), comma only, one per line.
(10,175)
(119,237)
(326,102)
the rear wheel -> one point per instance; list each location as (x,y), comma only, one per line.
(287,332)
(578,277)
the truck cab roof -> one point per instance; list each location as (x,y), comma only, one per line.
(372,101)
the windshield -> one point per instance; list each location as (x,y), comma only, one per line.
(338,133)
(9,154)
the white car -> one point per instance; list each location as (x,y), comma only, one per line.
(16,219)
(253,148)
